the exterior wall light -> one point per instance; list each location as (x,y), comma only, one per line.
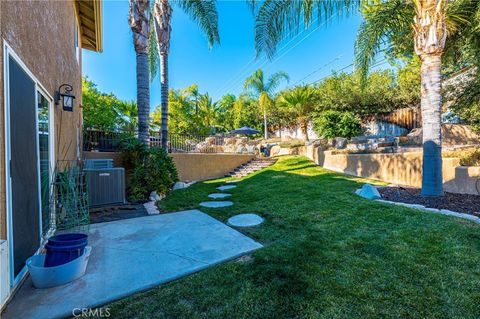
(67,97)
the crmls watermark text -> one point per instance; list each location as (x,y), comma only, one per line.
(91,313)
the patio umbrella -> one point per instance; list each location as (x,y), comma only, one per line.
(245,130)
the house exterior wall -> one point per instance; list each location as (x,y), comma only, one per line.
(42,34)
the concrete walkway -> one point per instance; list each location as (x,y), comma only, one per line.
(133,255)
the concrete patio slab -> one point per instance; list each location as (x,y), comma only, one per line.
(132,255)
(216,204)
(219,195)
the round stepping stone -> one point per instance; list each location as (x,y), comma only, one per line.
(219,195)
(225,187)
(245,220)
(216,204)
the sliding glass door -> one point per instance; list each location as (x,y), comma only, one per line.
(29,156)
(45,163)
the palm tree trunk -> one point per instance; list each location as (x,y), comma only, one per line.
(143,96)
(164,98)
(304,127)
(431,102)
(265,128)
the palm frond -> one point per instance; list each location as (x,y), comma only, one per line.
(255,82)
(153,57)
(383,21)
(204,12)
(279,19)
(275,80)
(459,13)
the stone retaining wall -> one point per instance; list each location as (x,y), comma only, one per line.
(400,168)
(191,166)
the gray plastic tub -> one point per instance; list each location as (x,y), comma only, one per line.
(47,277)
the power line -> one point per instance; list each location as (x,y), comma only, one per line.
(379,63)
(233,83)
(320,68)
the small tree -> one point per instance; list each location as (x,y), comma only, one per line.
(299,102)
(331,124)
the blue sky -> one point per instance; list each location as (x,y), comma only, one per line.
(223,68)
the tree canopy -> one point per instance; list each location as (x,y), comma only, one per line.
(106,112)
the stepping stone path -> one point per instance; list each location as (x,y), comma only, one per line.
(219,195)
(216,204)
(225,187)
(245,220)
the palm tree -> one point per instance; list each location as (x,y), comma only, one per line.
(425,23)
(139,22)
(204,12)
(264,90)
(208,112)
(300,102)
(192,90)
(128,112)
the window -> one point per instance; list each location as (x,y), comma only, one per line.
(43,111)
(76,39)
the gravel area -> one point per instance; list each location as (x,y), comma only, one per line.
(461,203)
(112,213)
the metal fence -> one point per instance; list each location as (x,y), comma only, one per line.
(109,141)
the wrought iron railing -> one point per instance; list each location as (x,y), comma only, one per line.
(109,141)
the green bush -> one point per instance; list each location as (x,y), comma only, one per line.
(151,169)
(331,124)
(468,157)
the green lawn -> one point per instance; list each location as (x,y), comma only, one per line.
(328,254)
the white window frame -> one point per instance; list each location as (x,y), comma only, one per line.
(7,53)
(76,35)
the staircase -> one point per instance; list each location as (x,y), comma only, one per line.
(250,167)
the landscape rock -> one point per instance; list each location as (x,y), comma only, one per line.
(179,185)
(369,192)
(340,143)
(151,208)
(155,197)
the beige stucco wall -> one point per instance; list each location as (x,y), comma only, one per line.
(402,169)
(191,166)
(41,34)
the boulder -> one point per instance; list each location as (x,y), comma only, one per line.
(241,149)
(340,143)
(179,185)
(210,140)
(155,197)
(275,150)
(369,192)
(230,141)
(452,135)
(241,140)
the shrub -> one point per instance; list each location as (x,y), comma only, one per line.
(468,157)
(331,124)
(151,169)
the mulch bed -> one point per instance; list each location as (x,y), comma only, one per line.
(112,213)
(462,203)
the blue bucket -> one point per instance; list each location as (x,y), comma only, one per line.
(64,248)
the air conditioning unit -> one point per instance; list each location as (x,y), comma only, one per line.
(105,186)
(99,163)
(4,273)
